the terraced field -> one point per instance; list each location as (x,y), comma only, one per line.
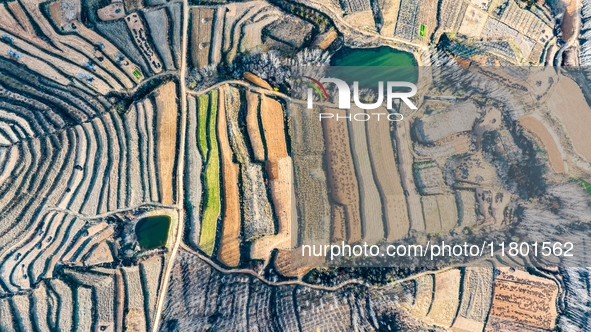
(212,196)
(341,174)
(219,34)
(230,243)
(237,175)
(307,148)
(81,185)
(117,112)
(87,151)
(242,302)
(370,204)
(108,299)
(387,179)
(461,299)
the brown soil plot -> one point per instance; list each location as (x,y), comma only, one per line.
(280,169)
(521,300)
(229,252)
(273,128)
(252,125)
(202,21)
(537,128)
(167,126)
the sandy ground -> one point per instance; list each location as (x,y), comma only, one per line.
(537,128)
(229,252)
(473,22)
(571,109)
(362,20)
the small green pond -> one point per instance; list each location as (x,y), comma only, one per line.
(379,56)
(152,232)
(366,65)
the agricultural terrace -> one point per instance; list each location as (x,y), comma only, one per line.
(211,200)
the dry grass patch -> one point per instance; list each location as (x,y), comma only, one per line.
(381,152)
(424,295)
(166,103)
(371,205)
(405,162)
(114,11)
(473,171)
(473,22)
(492,204)
(476,299)
(254,79)
(337,229)
(324,40)
(448,211)
(362,20)
(203,110)
(291,263)
(342,179)
(446,297)
(427,16)
(441,214)
(137,29)
(134,321)
(390,14)
(100,254)
(281,185)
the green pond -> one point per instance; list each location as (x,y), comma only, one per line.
(152,232)
(371,65)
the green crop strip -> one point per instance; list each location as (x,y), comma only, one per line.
(202,109)
(212,205)
(587,186)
